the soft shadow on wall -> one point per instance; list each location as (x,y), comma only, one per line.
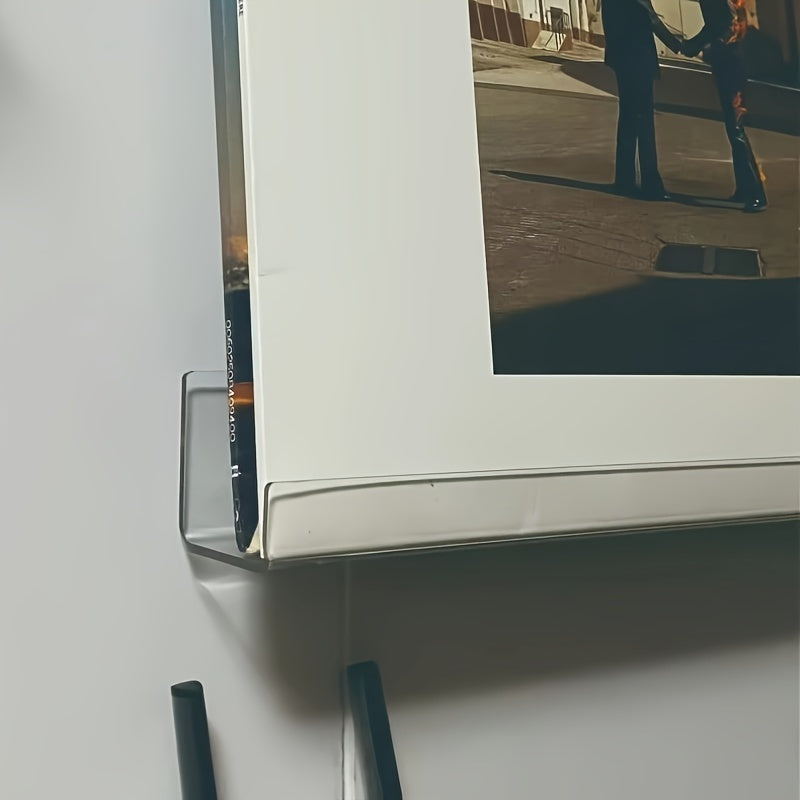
(289,625)
(455,623)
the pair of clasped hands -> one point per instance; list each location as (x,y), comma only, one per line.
(688,47)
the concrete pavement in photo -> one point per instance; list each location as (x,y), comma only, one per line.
(571,267)
(554,233)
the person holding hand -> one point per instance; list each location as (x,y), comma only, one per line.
(725,25)
(629,26)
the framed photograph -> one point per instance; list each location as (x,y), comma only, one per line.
(501,270)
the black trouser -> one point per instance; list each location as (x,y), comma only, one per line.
(728,73)
(636,130)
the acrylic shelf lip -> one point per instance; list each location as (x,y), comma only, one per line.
(338,518)
(206,506)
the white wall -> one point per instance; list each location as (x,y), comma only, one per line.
(529,9)
(109,290)
(655,667)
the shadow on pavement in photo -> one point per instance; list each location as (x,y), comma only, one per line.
(663,325)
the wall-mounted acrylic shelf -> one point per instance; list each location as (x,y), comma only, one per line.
(600,502)
(206,507)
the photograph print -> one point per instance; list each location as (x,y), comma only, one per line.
(639,164)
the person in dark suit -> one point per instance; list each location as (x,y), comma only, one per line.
(725,25)
(629,26)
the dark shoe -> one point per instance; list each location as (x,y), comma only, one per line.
(752,206)
(756,205)
(657,195)
(653,188)
(747,173)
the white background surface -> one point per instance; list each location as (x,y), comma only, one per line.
(656,667)
(653,666)
(110,289)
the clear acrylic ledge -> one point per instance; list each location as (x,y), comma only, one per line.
(406,514)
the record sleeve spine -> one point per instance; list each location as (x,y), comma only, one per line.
(235,265)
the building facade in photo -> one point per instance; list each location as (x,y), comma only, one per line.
(771,45)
